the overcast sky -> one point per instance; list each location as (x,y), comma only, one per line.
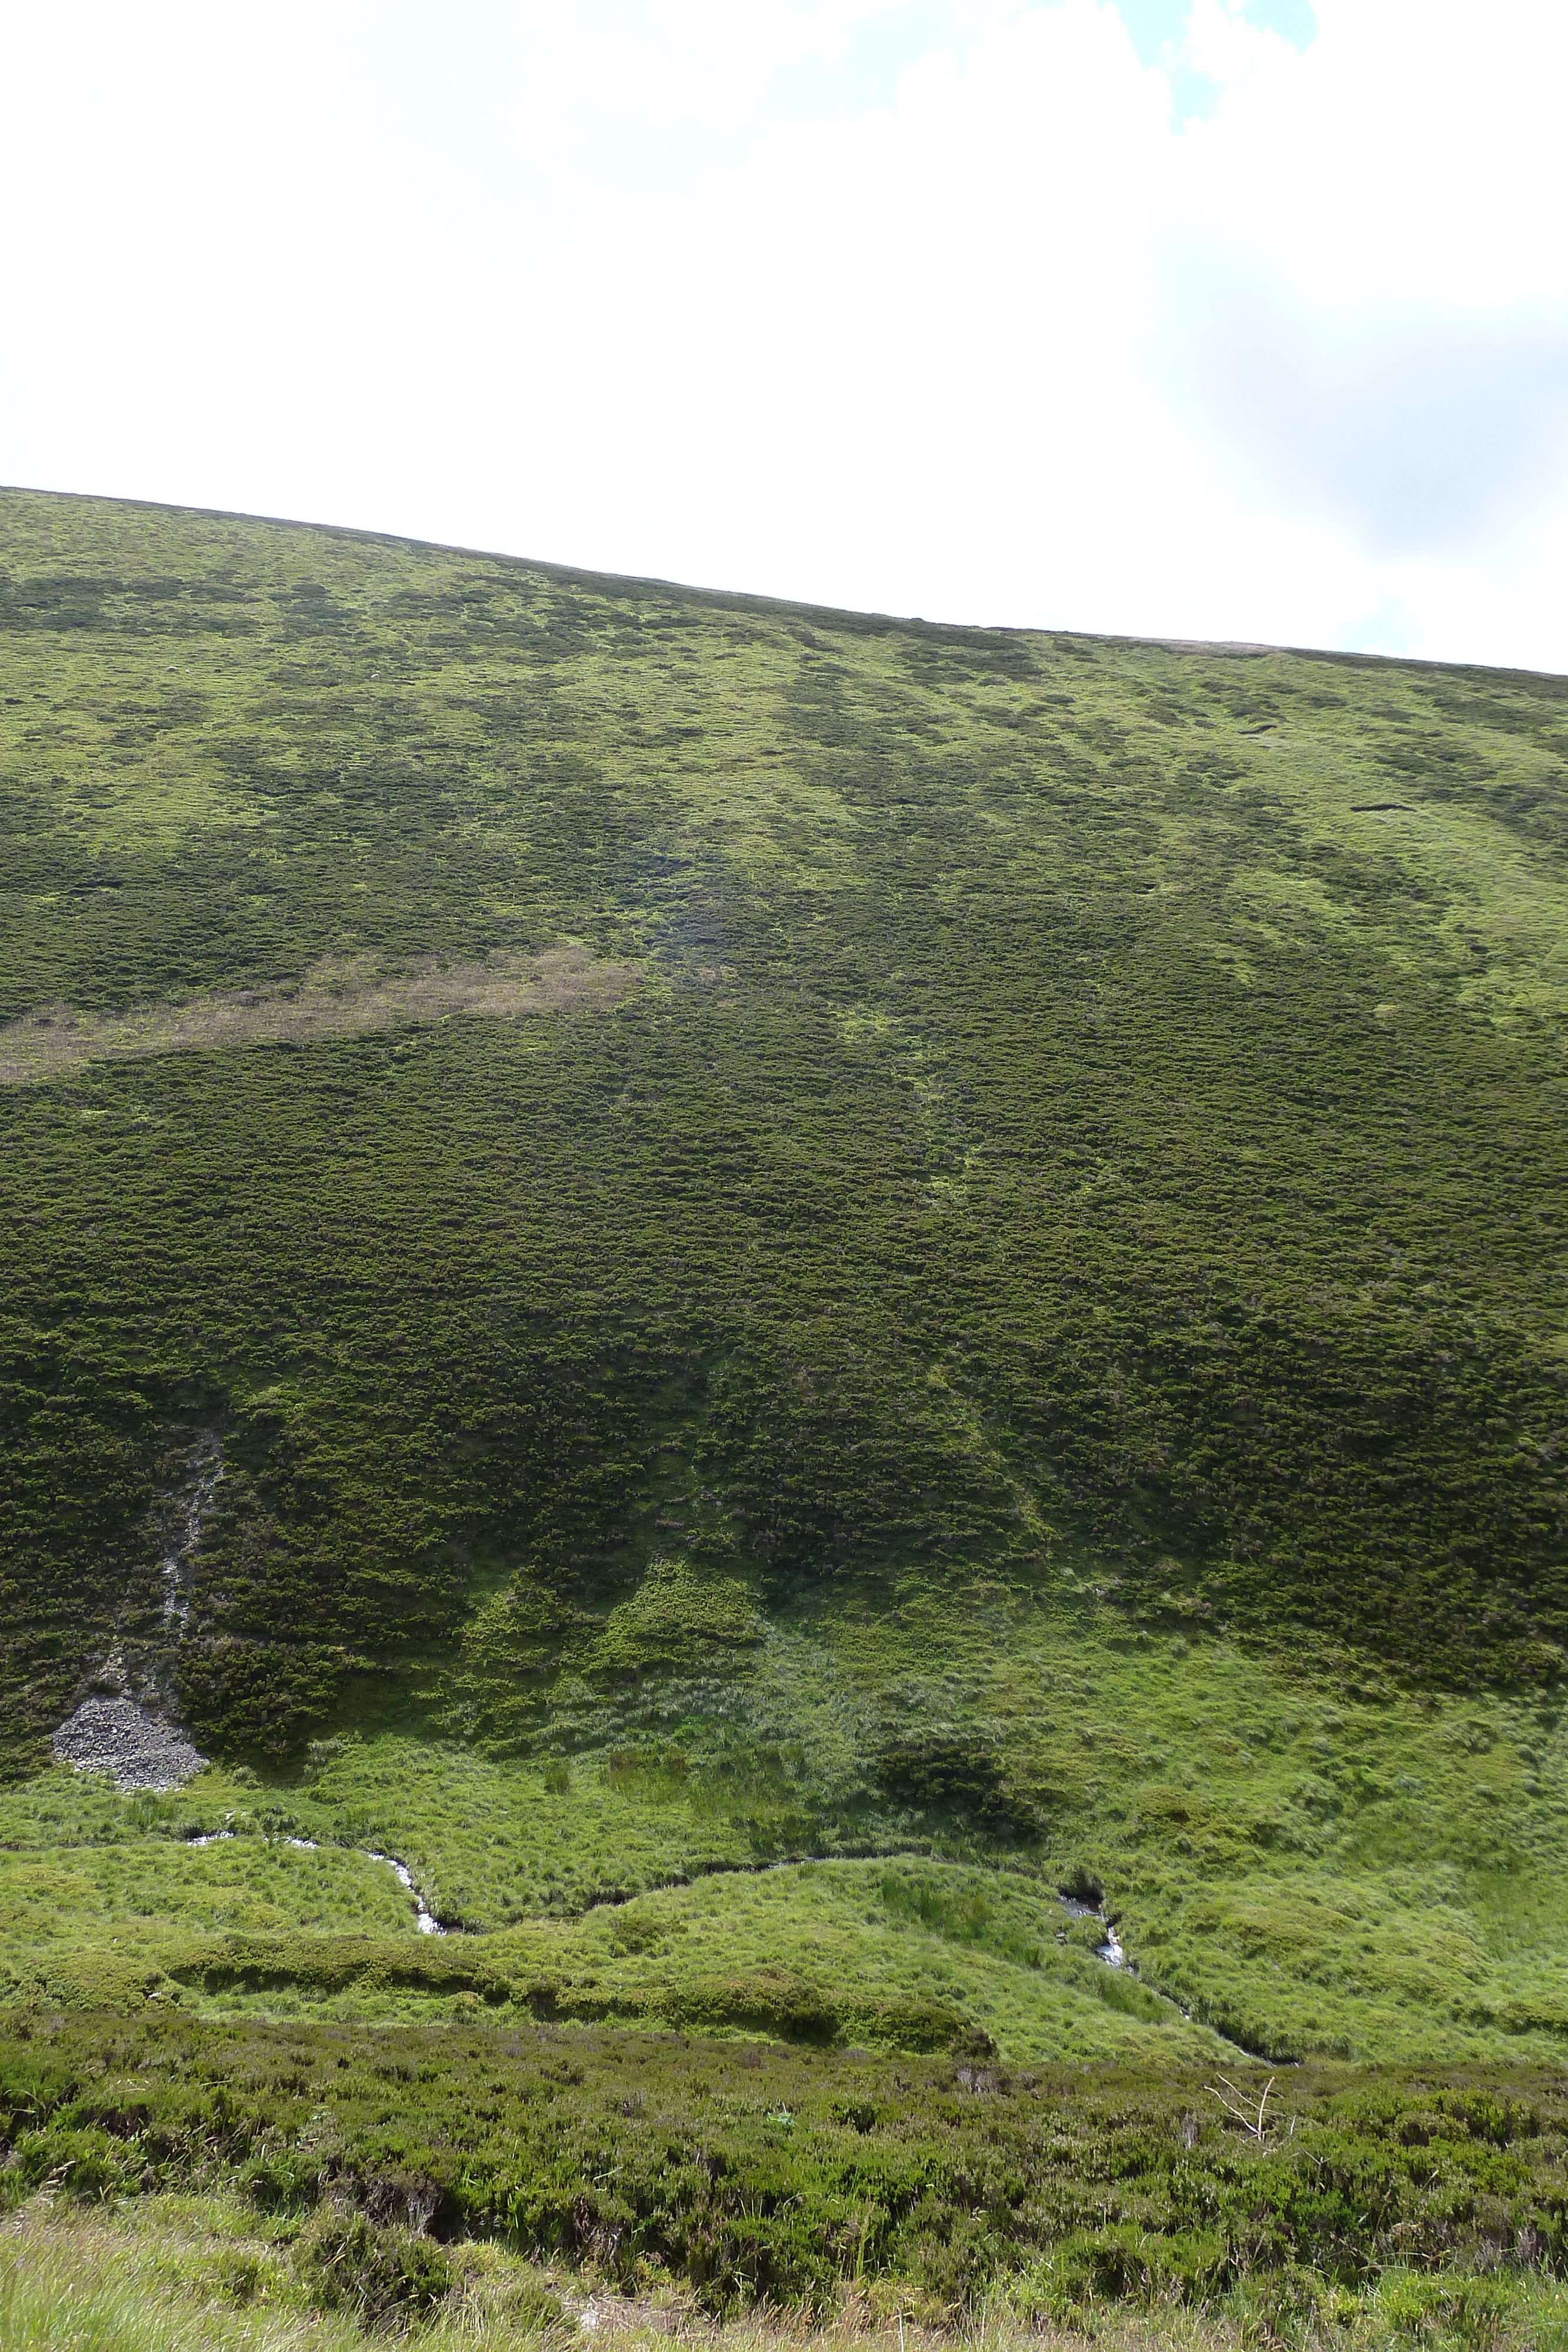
(1221,321)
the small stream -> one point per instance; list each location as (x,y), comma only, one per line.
(424,1919)
(1109,1951)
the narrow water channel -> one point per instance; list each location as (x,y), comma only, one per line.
(425,1919)
(1111,1950)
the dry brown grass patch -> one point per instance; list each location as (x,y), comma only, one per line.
(348,999)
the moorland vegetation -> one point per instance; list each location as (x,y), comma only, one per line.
(763,1287)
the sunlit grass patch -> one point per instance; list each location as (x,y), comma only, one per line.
(1303,1867)
(181,2277)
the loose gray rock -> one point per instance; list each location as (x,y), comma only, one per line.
(112,1735)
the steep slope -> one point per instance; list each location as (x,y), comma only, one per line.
(550,1073)
(778,1326)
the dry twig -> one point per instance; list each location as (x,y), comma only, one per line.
(1236,2104)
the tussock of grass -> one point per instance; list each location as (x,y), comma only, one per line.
(157,2284)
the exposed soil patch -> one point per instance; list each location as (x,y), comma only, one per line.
(112,1735)
(330,1000)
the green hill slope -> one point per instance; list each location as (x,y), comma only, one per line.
(1023,1100)
(795,1235)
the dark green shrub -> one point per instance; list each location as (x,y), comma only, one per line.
(1125,2263)
(768,2001)
(950,1770)
(382,2273)
(258,1697)
(85,2163)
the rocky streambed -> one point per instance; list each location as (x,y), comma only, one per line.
(1110,1950)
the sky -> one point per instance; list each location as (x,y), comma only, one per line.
(1217,318)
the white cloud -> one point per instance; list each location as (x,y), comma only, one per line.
(1418,429)
(1362,301)
(668,62)
(923,304)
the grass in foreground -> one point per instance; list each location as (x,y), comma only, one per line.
(1055,1161)
(188,2274)
(741,2174)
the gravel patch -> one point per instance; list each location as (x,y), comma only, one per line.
(112,1735)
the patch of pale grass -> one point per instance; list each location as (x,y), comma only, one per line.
(1401,2314)
(330,1000)
(161,2275)
(72,2281)
(610,2326)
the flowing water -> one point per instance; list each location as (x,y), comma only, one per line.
(425,1919)
(1111,1950)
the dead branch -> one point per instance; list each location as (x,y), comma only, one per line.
(1239,2105)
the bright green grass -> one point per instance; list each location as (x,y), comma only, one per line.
(1022,1342)
(188,2273)
(247,1885)
(997,1955)
(1305,1868)
(159,2282)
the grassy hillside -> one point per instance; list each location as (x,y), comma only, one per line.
(758,1285)
(1043,1110)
